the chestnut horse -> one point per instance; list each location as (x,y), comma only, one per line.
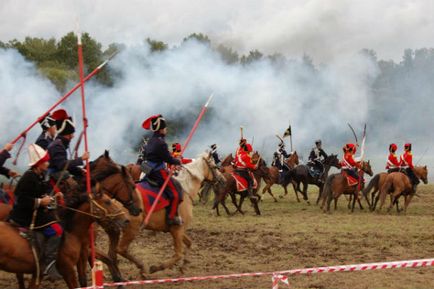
(337,184)
(16,253)
(230,188)
(191,178)
(274,175)
(398,184)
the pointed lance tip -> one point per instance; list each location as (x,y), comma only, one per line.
(209,99)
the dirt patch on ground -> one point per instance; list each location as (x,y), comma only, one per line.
(293,235)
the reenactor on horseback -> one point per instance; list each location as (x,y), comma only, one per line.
(393,162)
(4,155)
(34,208)
(407,165)
(279,157)
(348,163)
(243,165)
(176,153)
(58,149)
(316,159)
(215,154)
(48,134)
(156,155)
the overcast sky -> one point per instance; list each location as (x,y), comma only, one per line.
(321,28)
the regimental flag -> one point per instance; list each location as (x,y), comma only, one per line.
(287,132)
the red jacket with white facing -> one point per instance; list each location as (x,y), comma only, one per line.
(392,162)
(243,160)
(407,160)
(348,162)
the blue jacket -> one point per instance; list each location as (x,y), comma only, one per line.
(44,140)
(59,156)
(157,151)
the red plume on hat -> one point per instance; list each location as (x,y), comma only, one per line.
(154,123)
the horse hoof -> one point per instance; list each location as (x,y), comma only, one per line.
(308,203)
(153,269)
(275,200)
(280,197)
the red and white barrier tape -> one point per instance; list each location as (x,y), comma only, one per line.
(314,270)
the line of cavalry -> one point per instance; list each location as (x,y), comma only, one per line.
(46,216)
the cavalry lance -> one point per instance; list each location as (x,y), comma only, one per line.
(166,182)
(64,97)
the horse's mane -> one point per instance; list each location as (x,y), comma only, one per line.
(101,172)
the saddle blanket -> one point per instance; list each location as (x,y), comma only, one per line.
(149,194)
(241,182)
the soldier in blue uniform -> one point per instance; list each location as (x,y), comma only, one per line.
(48,134)
(58,148)
(215,154)
(156,155)
(316,159)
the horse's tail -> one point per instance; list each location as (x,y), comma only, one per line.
(374,182)
(327,189)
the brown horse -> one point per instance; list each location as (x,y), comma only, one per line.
(398,184)
(375,183)
(230,188)
(16,254)
(191,178)
(337,184)
(274,174)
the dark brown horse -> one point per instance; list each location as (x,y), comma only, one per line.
(274,175)
(301,175)
(398,184)
(230,188)
(16,254)
(337,184)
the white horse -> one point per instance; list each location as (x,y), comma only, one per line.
(191,178)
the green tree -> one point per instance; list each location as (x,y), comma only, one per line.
(156,46)
(253,56)
(228,55)
(203,38)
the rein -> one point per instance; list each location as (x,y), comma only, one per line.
(91,214)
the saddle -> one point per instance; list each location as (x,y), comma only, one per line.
(350,179)
(242,184)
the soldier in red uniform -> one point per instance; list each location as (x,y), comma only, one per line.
(176,153)
(243,165)
(407,165)
(349,165)
(393,162)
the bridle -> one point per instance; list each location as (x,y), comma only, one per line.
(94,208)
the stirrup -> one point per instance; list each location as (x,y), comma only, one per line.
(176,221)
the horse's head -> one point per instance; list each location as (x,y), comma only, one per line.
(366,167)
(333,161)
(227,161)
(262,168)
(106,210)
(212,172)
(422,173)
(116,182)
(293,160)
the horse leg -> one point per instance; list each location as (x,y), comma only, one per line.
(128,235)
(266,189)
(177,233)
(113,268)
(234,201)
(321,187)
(407,202)
(187,242)
(20,280)
(305,186)
(82,264)
(242,197)
(223,202)
(349,202)
(256,207)
(295,187)
(32,282)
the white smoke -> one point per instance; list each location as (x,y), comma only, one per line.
(262,97)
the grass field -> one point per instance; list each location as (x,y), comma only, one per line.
(292,235)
